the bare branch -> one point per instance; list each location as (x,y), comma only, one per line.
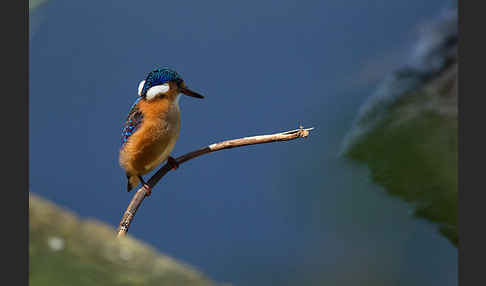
(142,192)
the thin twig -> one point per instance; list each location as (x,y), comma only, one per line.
(142,192)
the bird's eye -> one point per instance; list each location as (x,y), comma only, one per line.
(156,90)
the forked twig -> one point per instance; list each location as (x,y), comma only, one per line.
(142,192)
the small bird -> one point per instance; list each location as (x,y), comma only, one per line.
(152,125)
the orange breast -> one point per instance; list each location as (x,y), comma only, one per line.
(152,143)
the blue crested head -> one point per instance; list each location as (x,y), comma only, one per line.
(159,77)
(157,84)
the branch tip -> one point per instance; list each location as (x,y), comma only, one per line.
(303,132)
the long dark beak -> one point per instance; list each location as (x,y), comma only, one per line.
(189,92)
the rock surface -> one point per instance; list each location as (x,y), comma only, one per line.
(407,133)
(66,250)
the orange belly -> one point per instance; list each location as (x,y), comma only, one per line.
(151,145)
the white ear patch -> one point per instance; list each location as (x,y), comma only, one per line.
(156,90)
(140,87)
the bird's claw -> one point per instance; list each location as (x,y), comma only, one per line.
(148,190)
(173,163)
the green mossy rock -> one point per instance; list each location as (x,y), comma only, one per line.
(412,152)
(66,250)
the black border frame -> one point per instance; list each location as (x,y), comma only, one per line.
(15,181)
(15,140)
(471,116)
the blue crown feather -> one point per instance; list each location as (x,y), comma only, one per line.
(160,76)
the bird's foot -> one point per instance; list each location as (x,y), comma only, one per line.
(148,190)
(173,163)
(146,186)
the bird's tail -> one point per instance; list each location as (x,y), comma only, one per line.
(132,182)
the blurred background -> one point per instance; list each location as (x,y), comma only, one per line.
(369,198)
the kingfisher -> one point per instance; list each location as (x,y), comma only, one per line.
(152,125)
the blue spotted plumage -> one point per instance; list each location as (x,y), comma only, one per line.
(158,77)
(134,119)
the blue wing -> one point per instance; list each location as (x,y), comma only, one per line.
(134,119)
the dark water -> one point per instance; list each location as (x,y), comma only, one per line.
(293,213)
